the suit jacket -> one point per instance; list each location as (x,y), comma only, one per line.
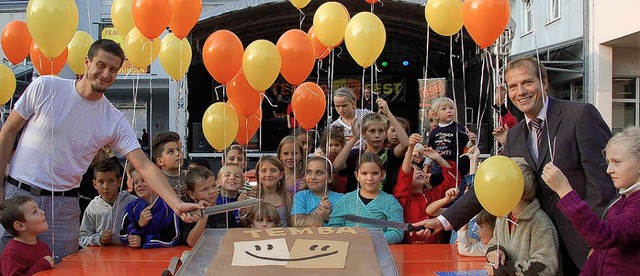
(580,134)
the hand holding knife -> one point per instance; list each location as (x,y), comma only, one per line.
(385,223)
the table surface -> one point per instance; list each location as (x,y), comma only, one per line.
(120,260)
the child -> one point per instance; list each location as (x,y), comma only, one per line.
(528,239)
(310,220)
(615,239)
(104,213)
(291,154)
(484,224)
(369,200)
(230,182)
(200,185)
(317,199)
(25,254)
(344,100)
(235,154)
(392,136)
(270,173)
(374,128)
(167,154)
(449,138)
(148,222)
(304,137)
(415,190)
(332,143)
(263,215)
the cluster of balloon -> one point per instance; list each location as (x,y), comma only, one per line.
(220,125)
(365,37)
(248,126)
(499,185)
(8,87)
(485,20)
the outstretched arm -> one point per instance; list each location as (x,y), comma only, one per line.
(402,135)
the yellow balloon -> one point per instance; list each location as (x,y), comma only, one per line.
(329,22)
(300,3)
(261,64)
(499,185)
(365,37)
(139,50)
(8,87)
(175,56)
(121,16)
(52,24)
(220,125)
(444,16)
(78,49)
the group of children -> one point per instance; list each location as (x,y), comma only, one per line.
(384,177)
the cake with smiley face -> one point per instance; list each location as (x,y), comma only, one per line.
(296,251)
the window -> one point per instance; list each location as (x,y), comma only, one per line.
(554,10)
(528,17)
(625,103)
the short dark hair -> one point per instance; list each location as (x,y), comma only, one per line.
(106,165)
(521,61)
(195,175)
(200,162)
(11,211)
(484,218)
(161,139)
(108,46)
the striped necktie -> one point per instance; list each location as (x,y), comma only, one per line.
(537,125)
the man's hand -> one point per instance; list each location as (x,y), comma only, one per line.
(184,208)
(145,216)
(134,241)
(430,224)
(105,237)
(556,180)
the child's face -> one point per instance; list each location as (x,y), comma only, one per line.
(369,175)
(419,178)
(35,222)
(334,148)
(287,156)
(204,190)
(270,175)
(231,178)
(171,157)
(234,157)
(622,168)
(317,176)
(304,139)
(263,224)
(140,187)
(392,137)
(107,184)
(375,135)
(344,106)
(445,113)
(485,233)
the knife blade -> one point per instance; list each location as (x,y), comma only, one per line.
(391,224)
(225,207)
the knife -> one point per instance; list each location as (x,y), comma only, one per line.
(225,207)
(385,223)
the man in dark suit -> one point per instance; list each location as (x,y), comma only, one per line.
(576,136)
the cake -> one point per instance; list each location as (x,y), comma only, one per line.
(296,251)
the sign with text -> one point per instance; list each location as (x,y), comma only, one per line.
(431,89)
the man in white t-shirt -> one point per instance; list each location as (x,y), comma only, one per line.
(65,123)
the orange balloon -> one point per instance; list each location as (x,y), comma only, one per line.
(184,15)
(44,65)
(371,1)
(321,51)
(485,20)
(151,16)
(16,41)
(222,55)
(308,104)
(298,56)
(247,126)
(242,96)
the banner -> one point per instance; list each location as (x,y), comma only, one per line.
(430,89)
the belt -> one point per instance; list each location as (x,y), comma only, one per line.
(40,192)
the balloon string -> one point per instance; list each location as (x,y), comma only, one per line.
(423,93)
(464,84)
(216,91)
(302,17)
(52,176)
(268,100)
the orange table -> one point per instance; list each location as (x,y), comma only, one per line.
(120,260)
